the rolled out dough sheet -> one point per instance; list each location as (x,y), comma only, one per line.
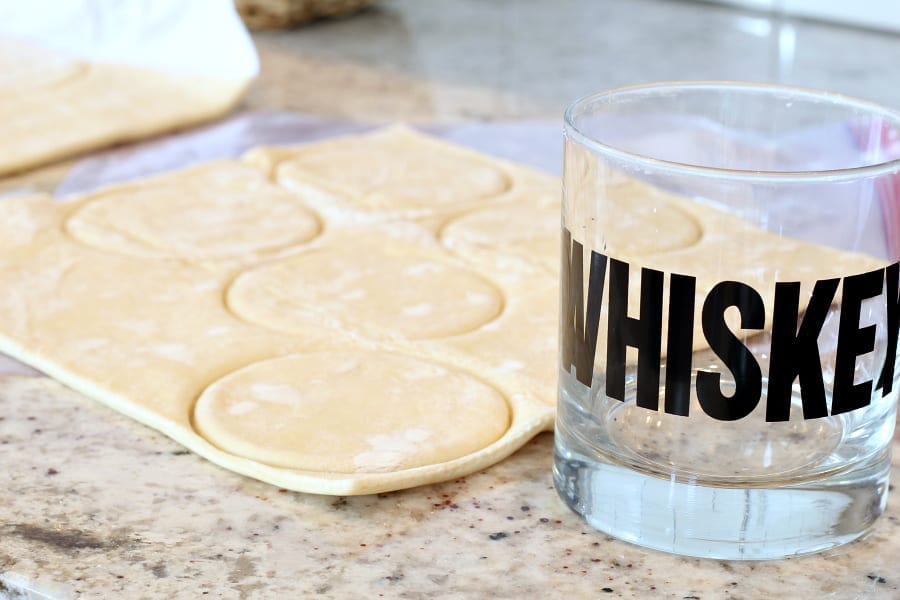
(308,349)
(325,333)
(52,107)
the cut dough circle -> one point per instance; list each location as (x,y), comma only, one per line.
(350,411)
(634,220)
(522,343)
(642,221)
(224,210)
(529,231)
(376,285)
(395,170)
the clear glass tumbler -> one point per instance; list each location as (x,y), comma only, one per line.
(729,316)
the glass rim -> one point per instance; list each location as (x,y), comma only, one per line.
(831,175)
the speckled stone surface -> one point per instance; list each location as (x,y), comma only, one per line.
(96,506)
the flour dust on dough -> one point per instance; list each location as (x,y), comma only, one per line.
(224,211)
(207,302)
(391,172)
(351,411)
(527,229)
(381,285)
(520,345)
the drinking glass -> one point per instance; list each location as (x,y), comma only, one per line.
(729,316)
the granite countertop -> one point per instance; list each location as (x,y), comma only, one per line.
(97,506)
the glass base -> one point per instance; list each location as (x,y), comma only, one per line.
(756,522)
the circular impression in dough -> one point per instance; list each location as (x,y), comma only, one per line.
(350,412)
(396,173)
(530,231)
(374,285)
(636,220)
(226,210)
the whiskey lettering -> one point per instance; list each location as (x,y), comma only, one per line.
(794,353)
